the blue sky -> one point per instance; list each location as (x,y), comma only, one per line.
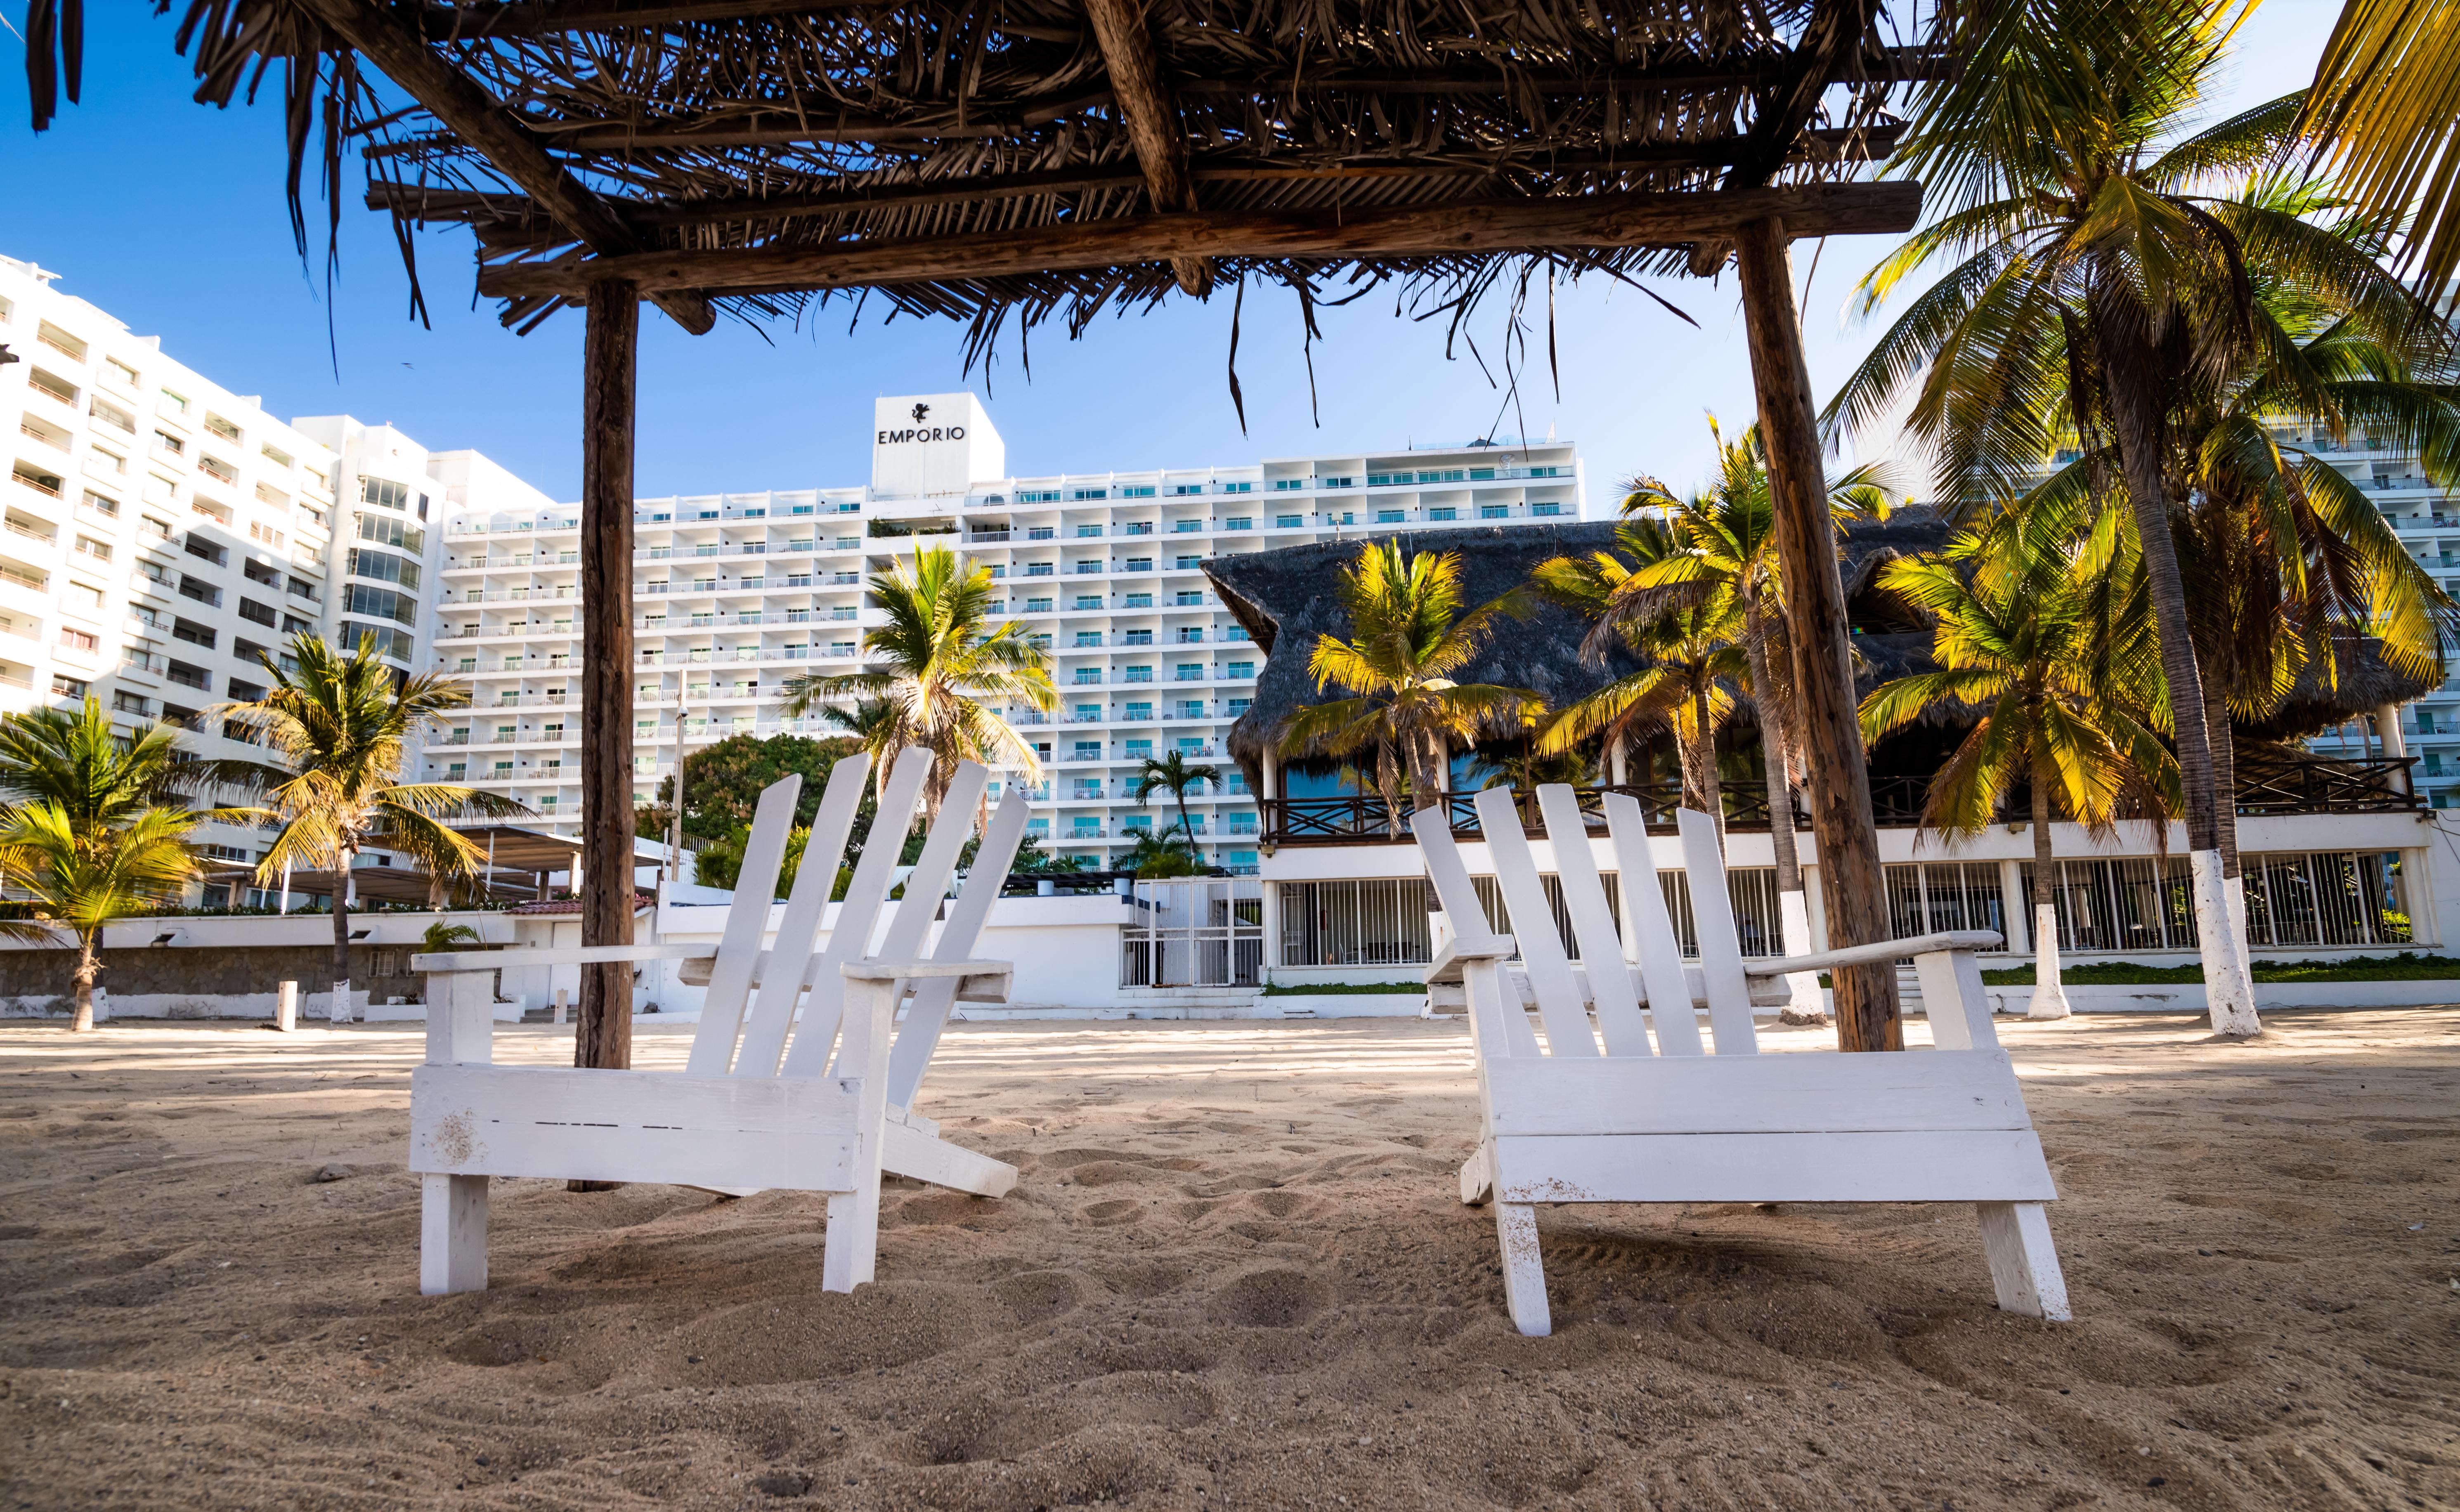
(170,214)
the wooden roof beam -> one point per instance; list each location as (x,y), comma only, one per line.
(1145,107)
(473,115)
(433,205)
(1834,34)
(1464,228)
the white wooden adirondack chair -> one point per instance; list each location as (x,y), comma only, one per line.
(1637,1123)
(913,1147)
(731,1121)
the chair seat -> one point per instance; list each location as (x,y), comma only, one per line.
(791,1132)
(1807,1092)
(1964,1165)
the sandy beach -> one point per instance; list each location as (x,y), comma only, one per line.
(1236,1274)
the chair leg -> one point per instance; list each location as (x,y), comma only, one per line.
(2024,1264)
(851,1249)
(452,1234)
(1477,1177)
(1524,1277)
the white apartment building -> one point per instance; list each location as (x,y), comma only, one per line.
(162,536)
(735,593)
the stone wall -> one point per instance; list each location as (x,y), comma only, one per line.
(243,982)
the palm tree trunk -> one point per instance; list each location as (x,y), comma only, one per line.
(2126,363)
(1792,904)
(82,1019)
(2224,744)
(1712,793)
(1775,744)
(2050,997)
(1426,775)
(340,1011)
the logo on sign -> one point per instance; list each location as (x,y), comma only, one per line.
(922,432)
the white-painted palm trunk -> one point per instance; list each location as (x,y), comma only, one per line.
(1794,919)
(2229,987)
(2049,996)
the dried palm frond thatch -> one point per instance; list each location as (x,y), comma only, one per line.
(757,126)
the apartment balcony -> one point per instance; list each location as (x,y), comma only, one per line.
(24,530)
(35,483)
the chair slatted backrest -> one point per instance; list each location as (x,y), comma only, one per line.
(1654,943)
(1721,945)
(747,920)
(1593,923)
(920,1036)
(927,884)
(1560,1006)
(1457,895)
(850,937)
(773,1012)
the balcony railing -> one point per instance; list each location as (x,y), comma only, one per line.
(2314,785)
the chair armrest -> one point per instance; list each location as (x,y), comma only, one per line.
(572,955)
(1875,952)
(977,981)
(1461,949)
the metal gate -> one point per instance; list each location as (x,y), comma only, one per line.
(1204,932)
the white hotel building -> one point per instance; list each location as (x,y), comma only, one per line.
(161,534)
(735,593)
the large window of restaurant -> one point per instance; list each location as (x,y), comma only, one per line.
(1932,897)
(2329,899)
(1377,922)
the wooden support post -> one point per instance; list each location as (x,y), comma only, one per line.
(1851,882)
(1144,104)
(609,360)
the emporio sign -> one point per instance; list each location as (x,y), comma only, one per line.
(920,431)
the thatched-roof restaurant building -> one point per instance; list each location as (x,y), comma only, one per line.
(2341,857)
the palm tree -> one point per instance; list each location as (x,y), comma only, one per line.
(934,665)
(1168,854)
(2284,558)
(2384,112)
(1408,637)
(1690,648)
(101,776)
(100,821)
(1173,775)
(81,876)
(441,936)
(1727,534)
(2017,639)
(874,723)
(338,726)
(2102,258)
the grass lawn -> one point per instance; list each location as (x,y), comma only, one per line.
(2405,966)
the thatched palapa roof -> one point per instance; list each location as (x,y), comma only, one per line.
(1028,158)
(1284,599)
